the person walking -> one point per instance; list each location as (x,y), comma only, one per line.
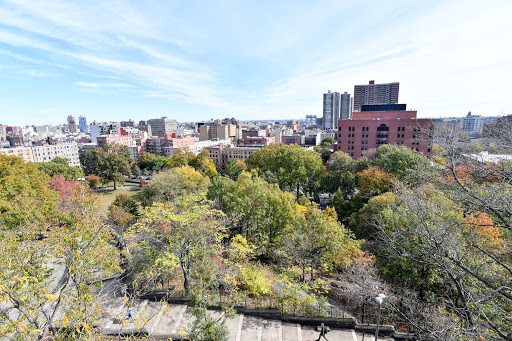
(130,313)
(323,330)
(124,290)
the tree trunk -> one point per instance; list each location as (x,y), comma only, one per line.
(298,189)
(115,184)
(186,277)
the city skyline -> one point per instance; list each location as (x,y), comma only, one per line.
(119,60)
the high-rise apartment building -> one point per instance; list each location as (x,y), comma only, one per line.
(163,126)
(386,93)
(82,124)
(71,124)
(331,110)
(345,106)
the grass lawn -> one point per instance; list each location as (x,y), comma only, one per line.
(107,197)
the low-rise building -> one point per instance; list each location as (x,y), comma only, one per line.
(217,131)
(220,155)
(24,152)
(200,145)
(123,140)
(253,133)
(293,139)
(49,152)
(257,141)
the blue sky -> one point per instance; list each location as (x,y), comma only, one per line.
(115,60)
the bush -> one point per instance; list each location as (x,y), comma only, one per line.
(125,202)
(93,180)
(254,280)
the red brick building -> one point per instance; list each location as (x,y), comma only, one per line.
(371,129)
(123,140)
(257,140)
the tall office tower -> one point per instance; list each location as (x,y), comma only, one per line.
(331,112)
(162,126)
(71,124)
(386,93)
(345,106)
(82,124)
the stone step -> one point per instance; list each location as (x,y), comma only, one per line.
(250,326)
(164,320)
(170,320)
(154,325)
(270,330)
(232,324)
(290,331)
(187,320)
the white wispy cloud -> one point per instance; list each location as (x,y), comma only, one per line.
(103,85)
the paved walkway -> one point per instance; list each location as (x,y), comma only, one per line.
(161,320)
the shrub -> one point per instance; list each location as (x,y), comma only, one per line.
(254,280)
(94,180)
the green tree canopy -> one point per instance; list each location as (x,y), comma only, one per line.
(185,229)
(363,222)
(173,183)
(25,194)
(201,162)
(259,211)
(319,241)
(328,141)
(340,175)
(234,168)
(341,162)
(398,160)
(110,162)
(60,166)
(293,166)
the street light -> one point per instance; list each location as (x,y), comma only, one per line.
(379,299)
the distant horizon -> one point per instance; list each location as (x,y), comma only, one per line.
(116,60)
(221,118)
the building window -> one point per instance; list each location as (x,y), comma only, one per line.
(383,127)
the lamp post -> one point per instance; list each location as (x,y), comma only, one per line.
(379,299)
